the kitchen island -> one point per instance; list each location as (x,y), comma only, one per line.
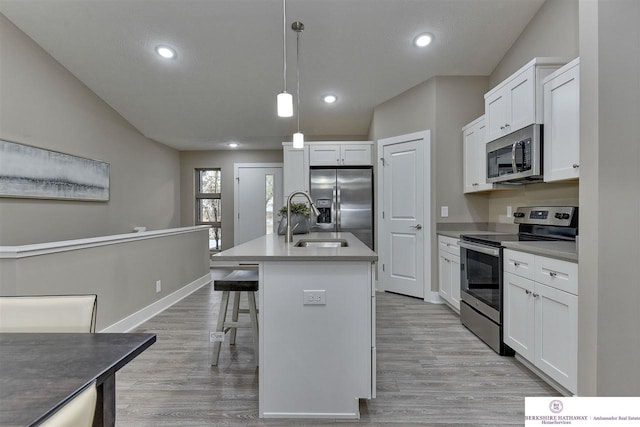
(317,354)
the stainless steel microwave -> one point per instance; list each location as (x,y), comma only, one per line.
(516,157)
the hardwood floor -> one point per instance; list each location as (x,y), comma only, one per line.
(431,371)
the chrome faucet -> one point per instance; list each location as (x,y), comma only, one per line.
(288,238)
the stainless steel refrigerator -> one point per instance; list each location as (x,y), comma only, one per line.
(344,197)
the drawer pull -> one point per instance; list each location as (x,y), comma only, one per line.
(535,295)
(516,264)
(527,291)
(553,274)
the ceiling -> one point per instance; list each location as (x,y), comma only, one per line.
(223,84)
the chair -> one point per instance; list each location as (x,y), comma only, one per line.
(50,313)
(56,313)
(238,281)
(78,412)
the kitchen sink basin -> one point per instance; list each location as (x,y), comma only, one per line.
(321,243)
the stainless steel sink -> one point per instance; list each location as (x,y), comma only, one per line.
(321,243)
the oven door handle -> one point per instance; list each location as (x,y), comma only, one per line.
(482,249)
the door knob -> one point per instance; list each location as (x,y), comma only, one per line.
(417,227)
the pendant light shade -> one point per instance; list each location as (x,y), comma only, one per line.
(298,140)
(285,104)
(284,100)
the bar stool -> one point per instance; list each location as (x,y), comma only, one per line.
(237,281)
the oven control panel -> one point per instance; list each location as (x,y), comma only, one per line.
(546,215)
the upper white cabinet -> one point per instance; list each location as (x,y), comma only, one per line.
(340,153)
(562,123)
(475,158)
(517,101)
(296,169)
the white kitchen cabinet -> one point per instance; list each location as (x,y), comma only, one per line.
(562,123)
(556,340)
(295,170)
(340,154)
(541,314)
(517,101)
(519,321)
(475,158)
(324,155)
(449,271)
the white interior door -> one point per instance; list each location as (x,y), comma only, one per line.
(404,222)
(257,199)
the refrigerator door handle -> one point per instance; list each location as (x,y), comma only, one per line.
(338,225)
(334,209)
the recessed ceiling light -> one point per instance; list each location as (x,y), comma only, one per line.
(233,144)
(166,52)
(423,40)
(329,99)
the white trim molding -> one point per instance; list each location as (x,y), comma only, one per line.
(136,319)
(13,252)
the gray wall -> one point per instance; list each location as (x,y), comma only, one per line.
(443,105)
(43,105)
(553,31)
(609,342)
(123,275)
(224,159)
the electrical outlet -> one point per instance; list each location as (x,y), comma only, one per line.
(158,286)
(314,297)
(444,211)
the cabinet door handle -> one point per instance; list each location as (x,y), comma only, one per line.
(575,166)
(528,292)
(535,295)
(501,127)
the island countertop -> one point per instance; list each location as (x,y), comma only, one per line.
(273,248)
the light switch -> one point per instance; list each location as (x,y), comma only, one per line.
(444,211)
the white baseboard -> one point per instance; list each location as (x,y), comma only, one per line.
(433,297)
(136,319)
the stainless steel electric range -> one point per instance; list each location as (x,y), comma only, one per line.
(481,284)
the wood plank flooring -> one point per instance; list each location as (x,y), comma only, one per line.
(431,372)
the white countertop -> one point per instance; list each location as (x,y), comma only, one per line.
(561,250)
(273,248)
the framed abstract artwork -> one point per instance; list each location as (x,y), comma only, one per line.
(32,172)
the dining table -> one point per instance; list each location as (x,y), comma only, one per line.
(41,372)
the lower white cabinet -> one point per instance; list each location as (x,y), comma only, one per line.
(449,271)
(541,320)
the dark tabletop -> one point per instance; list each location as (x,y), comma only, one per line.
(40,372)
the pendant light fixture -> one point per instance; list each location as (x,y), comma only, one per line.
(284,100)
(298,137)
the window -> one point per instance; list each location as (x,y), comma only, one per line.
(208,205)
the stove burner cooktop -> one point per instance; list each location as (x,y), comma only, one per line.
(491,239)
